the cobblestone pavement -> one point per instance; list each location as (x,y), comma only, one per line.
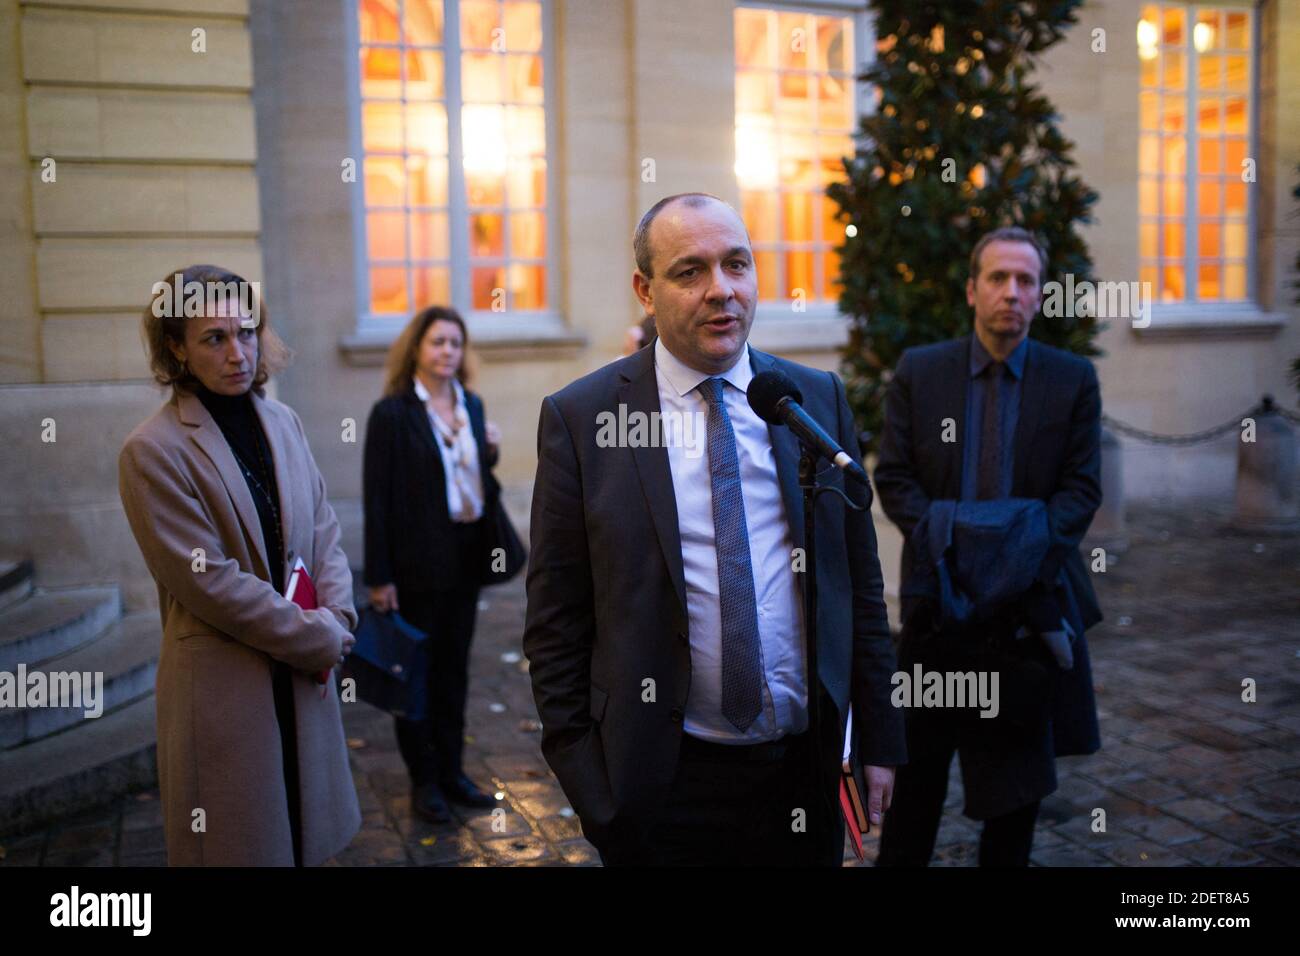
(1188,773)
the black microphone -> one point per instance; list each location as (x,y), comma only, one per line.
(776,399)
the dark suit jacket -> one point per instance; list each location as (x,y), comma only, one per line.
(607,598)
(408,528)
(1057,452)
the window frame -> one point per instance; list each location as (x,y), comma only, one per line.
(1192,312)
(372,327)
(820,316)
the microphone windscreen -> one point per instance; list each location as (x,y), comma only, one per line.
(766,389)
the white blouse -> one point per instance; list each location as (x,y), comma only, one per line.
(459,452)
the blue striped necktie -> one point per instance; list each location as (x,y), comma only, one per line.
(742,655)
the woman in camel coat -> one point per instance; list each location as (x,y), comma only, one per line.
(222,494)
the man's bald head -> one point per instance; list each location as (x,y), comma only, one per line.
(641,248)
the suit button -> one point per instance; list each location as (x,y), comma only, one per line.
(681,636)
(676,715)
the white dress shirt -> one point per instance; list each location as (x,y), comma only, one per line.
(459,451)
(780,609)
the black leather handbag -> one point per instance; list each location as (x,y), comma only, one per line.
(389,664)
(504,553)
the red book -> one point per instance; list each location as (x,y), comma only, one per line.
(302,592)
(849,804)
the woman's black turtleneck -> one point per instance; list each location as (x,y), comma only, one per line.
(237,419)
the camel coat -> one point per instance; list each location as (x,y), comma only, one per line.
(218,739)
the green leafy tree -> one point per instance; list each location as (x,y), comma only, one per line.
(961,142)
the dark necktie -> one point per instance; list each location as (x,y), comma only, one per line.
(988,477)
(742,655)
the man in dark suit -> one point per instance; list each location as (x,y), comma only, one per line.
(989,416)
(664,629)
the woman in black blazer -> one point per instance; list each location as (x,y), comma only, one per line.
(428,486)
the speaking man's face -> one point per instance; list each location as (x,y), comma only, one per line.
(1006,294)
(704,289)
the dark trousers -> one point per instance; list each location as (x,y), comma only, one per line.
(740,806)
(433,748)
(912,822)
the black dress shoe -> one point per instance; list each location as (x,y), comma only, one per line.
(428,804)
(460,789)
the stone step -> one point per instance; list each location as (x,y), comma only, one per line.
(50,623)
(85,767)
(126,654)
(15,581)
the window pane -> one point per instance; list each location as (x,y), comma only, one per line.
(1207,282)
(1234,154)
(386,235)
(834,44)
(483,139)
(1234,281)
(799,274)
(1209,160)
(484,281)
(1175,156)
(480,24)
(1209,71)
(524,79)
(1147,240)
(1207,113)
(753,37)
(1238,73)
(1173,198)
(797,219)
(1234,118)
(385,181)
(429,235)
(1174,240)
(487,235)
(525,131)
(432,285)
(1148,110)
(426,128)
(792,104)
(1234,197)
(1173,114)
(754,92)
(792,41)
(378,21)
(1234,240)
(381,127)
(1175,27)
(831,285)
(527,286)
(1172,288)
(528,235)
(481,79)
(388,290)
(424,75)
(523,23)
(835,103)
(423,22)
(526,183)
(1175,71)
(486,187)
(381,73)
(1207,197)
(832,230)
(427,176)
(1238,37)
(758,209)
(1207,243)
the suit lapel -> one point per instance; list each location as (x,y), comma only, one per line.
(641,394)
(953,387)
(1033,396)
(207,435)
